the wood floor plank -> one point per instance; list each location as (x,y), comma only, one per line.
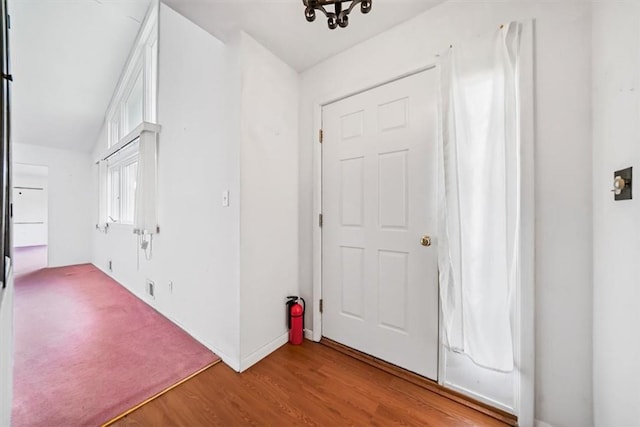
(307,385)
(423,382)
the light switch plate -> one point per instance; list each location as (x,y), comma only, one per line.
(225,198)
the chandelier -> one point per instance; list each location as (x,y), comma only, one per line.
(340,16)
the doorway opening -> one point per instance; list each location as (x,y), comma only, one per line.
(30,217)
(379,263)
(518,387)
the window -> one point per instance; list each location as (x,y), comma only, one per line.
(114,128)
(152,93)
(134,100)
(121,186)
(133,110)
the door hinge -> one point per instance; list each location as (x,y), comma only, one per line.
(321,136)
(321,305)
(320,220)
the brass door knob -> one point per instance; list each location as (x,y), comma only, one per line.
(425,241)
(619,184)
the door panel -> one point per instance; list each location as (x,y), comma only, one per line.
(379,170)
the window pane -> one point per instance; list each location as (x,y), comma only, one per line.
(114,129)
(153,69)
(129,175)
(113,199)
(133,106)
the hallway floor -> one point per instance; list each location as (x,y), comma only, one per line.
(86,349)
(310,385)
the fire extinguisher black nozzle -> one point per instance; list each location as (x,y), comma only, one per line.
(291,300)
(304,309)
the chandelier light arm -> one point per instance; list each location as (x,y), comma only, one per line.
(324,11)
(354,3)
(339,18)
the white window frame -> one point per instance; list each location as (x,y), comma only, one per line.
(117,165)
(127,127)
(142,59)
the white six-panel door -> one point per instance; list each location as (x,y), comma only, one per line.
(379,286)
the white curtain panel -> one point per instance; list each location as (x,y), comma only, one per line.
(102,194)
(145,212)
(479,196)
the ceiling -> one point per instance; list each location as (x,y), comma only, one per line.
(281,27)
(67,57)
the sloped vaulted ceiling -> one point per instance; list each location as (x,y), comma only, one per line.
(67,55)
(66,58)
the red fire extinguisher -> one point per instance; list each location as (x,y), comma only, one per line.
(295,319)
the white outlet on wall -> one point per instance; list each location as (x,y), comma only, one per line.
(225,198)
(170,286)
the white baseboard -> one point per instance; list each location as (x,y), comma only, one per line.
(308,334)
(479,397)
(232,362)
(101,269)
(142,297)
(538,423)
(263,352)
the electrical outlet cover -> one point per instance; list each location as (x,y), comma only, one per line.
(151,288)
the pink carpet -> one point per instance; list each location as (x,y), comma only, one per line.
(29,258)
(87,350)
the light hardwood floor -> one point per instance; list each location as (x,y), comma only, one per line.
(311,385)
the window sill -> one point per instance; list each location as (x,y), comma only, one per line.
(132,136)
(119,225)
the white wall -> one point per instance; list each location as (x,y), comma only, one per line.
(563,146)
(6,351)
(616,225)
(198,245)
(223,129)
(269,198)
(70,196)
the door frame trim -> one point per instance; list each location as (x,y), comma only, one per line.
(318,248)
(317,186)
(524,393)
